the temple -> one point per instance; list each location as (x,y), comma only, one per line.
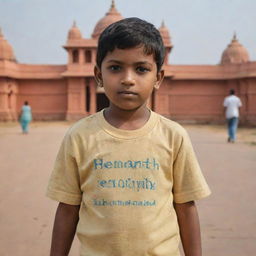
(189,93)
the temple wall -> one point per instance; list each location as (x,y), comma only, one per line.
(249,86)
(185,99)
(76,99)
(201,101)
(48,98)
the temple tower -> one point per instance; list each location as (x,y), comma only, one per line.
(235,53)
(83,95)
(166,40)
(8,85)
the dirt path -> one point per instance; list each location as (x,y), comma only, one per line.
(227,217)
(228,220)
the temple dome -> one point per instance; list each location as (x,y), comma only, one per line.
(164,31)
(74,33)
(111,16)
(235,53)
(6,51)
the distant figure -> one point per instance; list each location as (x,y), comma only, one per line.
(25,117)
(232,104)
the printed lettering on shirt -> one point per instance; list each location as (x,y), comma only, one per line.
(148,164)
(119,183)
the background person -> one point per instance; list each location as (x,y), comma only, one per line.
(232,104)
(25,117)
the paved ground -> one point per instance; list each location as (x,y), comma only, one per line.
(228,217)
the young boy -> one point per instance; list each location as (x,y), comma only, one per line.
(126,178)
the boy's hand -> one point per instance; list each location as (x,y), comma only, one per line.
(189,228)
(64,229)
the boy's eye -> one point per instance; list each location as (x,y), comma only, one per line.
(142,69)
(114,68)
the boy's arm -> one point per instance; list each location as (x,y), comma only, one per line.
(189,228)
(64,229)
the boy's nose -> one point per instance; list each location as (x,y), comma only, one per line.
(128,79)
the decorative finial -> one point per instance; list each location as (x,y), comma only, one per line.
(113,4)
(235,36)
(74,23)
(162,24)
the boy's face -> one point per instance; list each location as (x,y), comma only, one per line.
(129,77)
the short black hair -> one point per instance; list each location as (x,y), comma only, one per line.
(129,33)
(232,91)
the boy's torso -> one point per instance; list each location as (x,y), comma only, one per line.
(127,192)
(127,182)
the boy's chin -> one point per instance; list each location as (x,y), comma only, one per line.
(127,108)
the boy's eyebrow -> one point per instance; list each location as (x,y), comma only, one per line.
(136,63)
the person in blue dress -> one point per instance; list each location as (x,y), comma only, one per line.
(25,117)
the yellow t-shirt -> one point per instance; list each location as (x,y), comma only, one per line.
(126,182)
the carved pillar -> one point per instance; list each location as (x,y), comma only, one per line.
(94,56)
(70,57)
(8,96)
(250,100)
(81,56)
(12,99)
(4,111)
(93,101)
(76,99)
(243,94)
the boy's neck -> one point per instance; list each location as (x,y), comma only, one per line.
(127,119)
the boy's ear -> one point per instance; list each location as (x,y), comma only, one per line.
(98,76)
(159,79)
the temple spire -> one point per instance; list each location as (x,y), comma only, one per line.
(234,37)
(113,4)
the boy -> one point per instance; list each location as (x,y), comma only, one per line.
(126,177)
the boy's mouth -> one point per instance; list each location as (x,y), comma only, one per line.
(127,93)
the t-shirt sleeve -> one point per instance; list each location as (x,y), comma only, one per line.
(64,183)
(188,181)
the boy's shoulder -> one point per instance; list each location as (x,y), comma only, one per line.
(171,126)
(84,126)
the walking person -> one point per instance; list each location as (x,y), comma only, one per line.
(232,104)
(25,117)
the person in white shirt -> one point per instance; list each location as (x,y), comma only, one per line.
(232,104)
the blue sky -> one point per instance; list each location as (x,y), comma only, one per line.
(200,29)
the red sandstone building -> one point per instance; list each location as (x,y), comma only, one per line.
(188,93)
